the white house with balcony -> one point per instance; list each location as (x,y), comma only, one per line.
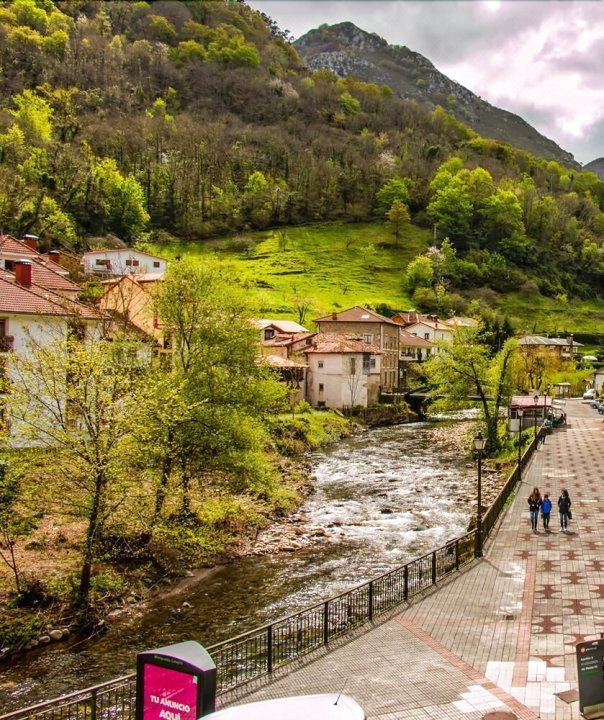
(342,372)
(122,261)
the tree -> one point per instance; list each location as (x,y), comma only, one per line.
(420,273)
(398,217)
(222,390)
(394,189)
(69,401)
(15,522)
(463,368)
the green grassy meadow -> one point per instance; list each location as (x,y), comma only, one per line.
(333,266)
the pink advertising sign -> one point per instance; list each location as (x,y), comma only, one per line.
(169,694)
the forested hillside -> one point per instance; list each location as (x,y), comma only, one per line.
(196,119)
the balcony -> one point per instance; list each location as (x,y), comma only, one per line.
(6,343)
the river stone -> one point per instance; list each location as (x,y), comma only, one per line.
(65,631)
(131,600)
(44,639)
(56,635)
(31,645)
(187,604)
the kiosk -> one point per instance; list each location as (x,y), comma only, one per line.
(177,682)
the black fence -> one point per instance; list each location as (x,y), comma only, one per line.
(260,652)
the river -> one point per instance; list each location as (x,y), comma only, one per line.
(383,498)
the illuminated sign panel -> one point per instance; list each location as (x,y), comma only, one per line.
(177,682)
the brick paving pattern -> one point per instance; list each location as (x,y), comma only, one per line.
(499,638)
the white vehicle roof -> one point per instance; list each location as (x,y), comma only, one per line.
(329,706)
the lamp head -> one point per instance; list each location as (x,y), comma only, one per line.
(520,412)
(479,442)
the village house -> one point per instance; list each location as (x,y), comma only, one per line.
(342,372)
(130,297)
(431,330)
(374,330)
(564,348)
(31,315)
(412,349)
(273,329)
(122,261)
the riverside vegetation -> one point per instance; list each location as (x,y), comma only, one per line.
(171,123)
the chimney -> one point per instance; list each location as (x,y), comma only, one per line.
(31,241)
(22,269)
(334,315)
(55,256)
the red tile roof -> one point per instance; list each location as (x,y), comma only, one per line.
(340,344)
(356,314)
(8,244)
(47,278)
(15,299)
(408,340)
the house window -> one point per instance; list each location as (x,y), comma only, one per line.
(320,364)
(156,263)
(372,363)
(103,261)
(366,364)
(426,336)
(321,387)
(132,263)
(368,339)
(9,265)
(353,366)
(3,327)
(269,333)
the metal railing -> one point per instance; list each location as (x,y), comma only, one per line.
(263,650)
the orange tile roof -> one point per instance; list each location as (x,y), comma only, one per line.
(47,278)
(8,244)
(340,344)
(408,340)
(356,314)
(16,299)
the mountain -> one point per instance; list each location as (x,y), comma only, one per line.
(347,50)
(596,166)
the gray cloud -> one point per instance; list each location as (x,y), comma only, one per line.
(472,34)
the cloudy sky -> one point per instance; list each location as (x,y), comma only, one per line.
(543,60)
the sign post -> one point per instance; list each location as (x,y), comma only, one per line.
(590,674)
(177,682)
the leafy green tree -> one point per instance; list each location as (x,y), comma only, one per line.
(226,392)
(398,218)
(69,401)
(420,274)
(33,116)
(15,521)
(394,189)
(463,368)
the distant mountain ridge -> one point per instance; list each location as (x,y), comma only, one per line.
(347,50)
(596,166)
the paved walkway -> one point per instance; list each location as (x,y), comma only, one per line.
(501,635)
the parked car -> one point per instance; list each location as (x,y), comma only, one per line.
(589,394)
(593,403)
(329,706)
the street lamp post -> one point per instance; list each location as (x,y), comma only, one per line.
(479,443)
(520,414)
(536,399)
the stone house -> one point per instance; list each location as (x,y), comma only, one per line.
(373,329)
(342,372)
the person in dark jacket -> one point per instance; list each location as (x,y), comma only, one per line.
(534,503)
(564,504)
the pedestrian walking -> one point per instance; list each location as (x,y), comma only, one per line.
(534,503)
(542,436)
(564,504)
(546,508)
